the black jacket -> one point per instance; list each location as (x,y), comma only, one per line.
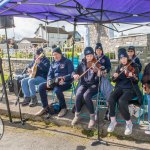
(122,81)
(90,77)
(137,61)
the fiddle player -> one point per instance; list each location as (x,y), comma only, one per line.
(146,86)
(132,55)
(88,86)
(61,68)
(28,84)
(124,91)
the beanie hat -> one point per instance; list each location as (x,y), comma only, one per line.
(57,50)
(131,48)
(122,53)
(88,50)
(99,46)
(39,51)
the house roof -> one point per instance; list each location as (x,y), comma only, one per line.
(34,40)
(55,30)
(71,34)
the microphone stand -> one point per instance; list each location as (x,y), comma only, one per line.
(22,121)
(99,140)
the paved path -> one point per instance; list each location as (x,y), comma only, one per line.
(39,136)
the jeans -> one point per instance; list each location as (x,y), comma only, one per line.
(86,93)
(58,90)
(148,98)
(28,85)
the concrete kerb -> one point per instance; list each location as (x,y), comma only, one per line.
(28,113)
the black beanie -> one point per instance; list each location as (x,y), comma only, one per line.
(88,50)
(131,48)
(39,51)
(122,53)
(99,46)
(57,50)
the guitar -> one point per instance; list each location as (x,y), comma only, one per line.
(34,68)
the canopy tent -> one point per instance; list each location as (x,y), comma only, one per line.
(106,11)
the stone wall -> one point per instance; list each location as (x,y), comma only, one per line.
(140,41)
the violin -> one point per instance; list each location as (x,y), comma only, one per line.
(128,69)
(94,65)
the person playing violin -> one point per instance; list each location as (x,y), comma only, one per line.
(88,86)
(125,77)
(132,55)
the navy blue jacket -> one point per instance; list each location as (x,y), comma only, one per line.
(123,82)
(137,61)
(42,67)
(89,78)
(64,67)
(105,61)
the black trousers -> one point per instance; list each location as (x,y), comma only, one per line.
(121,97)
(86,93)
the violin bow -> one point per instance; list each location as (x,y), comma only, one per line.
(90,67)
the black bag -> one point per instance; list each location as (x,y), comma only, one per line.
(54,108)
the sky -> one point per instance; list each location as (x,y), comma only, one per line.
(26,27)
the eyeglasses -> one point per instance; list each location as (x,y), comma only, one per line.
(130,51)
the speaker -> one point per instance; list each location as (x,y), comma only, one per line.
(6,22)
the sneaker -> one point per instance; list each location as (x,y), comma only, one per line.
(75,119)
(92,121)
(26,101)
(41,112)
(128,129)
(47,115)
(111,126)
(148,130)
(62,112)
(33,102)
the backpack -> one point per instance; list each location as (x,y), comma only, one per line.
(54,108)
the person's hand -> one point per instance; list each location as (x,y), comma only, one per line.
(38,61)
(130,74)
(61,82)
(76,77)
(48,83)
(29,70)
(115,75)
(99,73)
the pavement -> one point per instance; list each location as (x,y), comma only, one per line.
(42,136)
(28,113)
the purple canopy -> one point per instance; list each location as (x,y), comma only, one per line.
(105,11)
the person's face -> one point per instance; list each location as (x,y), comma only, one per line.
(89,57)
(124,60)
(130,53)
(99,52)
(57,56)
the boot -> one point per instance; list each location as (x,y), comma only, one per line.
(92,121)
(26,101)
(33,102)
(76,118)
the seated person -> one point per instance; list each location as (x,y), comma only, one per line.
(131,54)
(61,68)
(106,87)
(124,91)
(88,87)
(146,86)
(28,84)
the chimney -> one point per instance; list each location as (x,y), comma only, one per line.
(63,27)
